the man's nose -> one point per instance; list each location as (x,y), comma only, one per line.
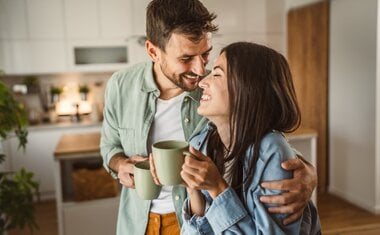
(199,66)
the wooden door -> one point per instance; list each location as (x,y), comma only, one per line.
(308,59)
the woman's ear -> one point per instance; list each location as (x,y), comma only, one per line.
(152,51)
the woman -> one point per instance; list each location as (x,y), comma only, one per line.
(250,101)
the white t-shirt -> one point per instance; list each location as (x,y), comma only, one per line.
(167,125)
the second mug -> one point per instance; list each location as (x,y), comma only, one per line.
(168,159)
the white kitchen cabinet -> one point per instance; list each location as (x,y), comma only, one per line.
(32,37)
(33,56)
(38,156)
(97,19)
(81,18)
(13,20)
(115,19)
(45,19)
(97,33)
(76,217)
(139,17)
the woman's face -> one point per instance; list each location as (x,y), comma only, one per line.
(214,102)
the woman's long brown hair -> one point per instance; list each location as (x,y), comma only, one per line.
(262,98)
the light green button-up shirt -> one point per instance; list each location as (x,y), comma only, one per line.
(130,106)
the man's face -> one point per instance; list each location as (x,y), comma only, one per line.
(184,61)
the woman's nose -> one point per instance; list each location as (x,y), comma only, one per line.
(203,83)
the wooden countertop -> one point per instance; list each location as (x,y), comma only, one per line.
(78,144)
(72,145)
(302,133)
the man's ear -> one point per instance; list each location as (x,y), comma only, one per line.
(152,51)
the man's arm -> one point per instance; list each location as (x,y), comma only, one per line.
(300,189)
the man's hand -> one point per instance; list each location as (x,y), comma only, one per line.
(299,190)
(124,167)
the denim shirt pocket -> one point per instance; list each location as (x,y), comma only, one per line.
(127,140)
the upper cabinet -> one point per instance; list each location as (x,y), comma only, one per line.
(97,19)
(139,16)
(13,19)
(31,37)
(45,19)
(81,17)
(45,36)
(97,34)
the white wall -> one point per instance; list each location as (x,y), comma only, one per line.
(377,181)
(352,102)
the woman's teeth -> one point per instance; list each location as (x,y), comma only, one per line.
(206,97)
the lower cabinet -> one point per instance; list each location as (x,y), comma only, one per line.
(89,217)
(38,156)
(87,196)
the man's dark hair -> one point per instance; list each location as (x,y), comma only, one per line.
(189,17)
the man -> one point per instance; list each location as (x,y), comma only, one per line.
(156,101)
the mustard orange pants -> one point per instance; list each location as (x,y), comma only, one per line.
(165,224)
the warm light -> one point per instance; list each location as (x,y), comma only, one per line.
(69,108)
(65,108)
(84,107)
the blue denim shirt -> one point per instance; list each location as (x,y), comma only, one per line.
(130,106)
(227,214)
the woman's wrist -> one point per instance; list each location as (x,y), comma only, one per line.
(220,187)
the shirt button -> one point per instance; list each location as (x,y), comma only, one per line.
(186,120)
(176,197)
(186,99)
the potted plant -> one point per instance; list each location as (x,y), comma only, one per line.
(17,189)
(83,91)
(55,92)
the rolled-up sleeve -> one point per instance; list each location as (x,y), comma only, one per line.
(110,140)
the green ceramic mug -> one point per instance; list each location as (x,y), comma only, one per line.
(168,159)
(144,184)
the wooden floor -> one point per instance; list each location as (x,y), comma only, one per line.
(337,217)
(340,217)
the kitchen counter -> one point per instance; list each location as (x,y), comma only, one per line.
(73,144)
(302,132)
(63,125)
(78,145)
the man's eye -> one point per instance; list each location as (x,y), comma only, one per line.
(205,55)
(185,59)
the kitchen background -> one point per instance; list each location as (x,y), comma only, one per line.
(51,48)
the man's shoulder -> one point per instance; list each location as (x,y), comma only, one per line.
(131,73)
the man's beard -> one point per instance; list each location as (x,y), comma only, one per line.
(179,80)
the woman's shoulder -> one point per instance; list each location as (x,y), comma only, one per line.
(199,138)
(275,144)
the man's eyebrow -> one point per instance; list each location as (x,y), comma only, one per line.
(207,51)
(187,55)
